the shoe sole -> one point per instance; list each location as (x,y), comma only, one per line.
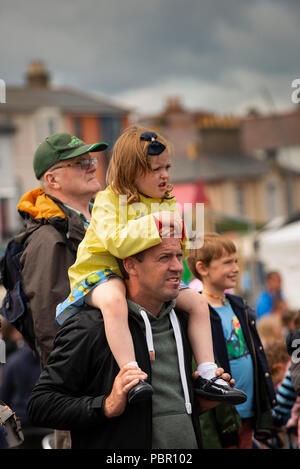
(140,396)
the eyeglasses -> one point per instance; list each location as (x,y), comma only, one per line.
(83,164)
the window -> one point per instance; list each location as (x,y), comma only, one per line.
(240,199)
(271,201)
(110,129)
(77,127)
(289,196)
(51,126)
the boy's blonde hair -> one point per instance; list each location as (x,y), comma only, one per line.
(291,319)
(269,328)
(213,248)
(276,353)
(130,159)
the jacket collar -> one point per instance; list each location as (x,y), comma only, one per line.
(135,309)
(38,208)
(72,224)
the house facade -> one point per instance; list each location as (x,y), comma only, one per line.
(276,138)
(238,184)
(37,110)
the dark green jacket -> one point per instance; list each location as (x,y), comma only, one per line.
(51,235)
(219,425)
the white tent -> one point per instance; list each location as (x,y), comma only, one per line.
(279,249)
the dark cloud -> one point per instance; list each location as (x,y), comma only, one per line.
(116,47)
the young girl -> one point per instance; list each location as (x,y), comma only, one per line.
(124,223)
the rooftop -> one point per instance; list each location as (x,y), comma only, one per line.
(69,100)
(38,92)
(213,168)
(272,131)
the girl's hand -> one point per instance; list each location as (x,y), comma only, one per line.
(169,224)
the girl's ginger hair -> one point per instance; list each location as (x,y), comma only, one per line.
(214,246)
(130,160)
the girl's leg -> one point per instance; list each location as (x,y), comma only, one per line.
(110,297)
(199,329)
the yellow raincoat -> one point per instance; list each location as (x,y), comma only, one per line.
(117,229)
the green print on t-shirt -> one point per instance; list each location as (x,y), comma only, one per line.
(236,345)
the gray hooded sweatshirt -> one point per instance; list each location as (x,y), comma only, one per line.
(172,426)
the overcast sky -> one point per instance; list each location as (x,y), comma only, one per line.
(219,55)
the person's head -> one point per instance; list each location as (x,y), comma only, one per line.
(290,319)
(270,328)
(273,281)
(279,307)
(64,165)
(152,277)
(140,163)
(277,358)
(215,263)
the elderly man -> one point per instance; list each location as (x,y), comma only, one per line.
(55,218)
(82,389)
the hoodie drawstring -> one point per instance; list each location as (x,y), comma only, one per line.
(179,345)
(149,337)
(178,338)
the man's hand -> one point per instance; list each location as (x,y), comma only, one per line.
(116,402)
(204,404)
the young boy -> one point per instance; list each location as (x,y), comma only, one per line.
(237,347)
(278,360)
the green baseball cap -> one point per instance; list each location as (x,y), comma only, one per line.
(61,147)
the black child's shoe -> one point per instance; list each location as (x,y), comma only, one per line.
(140,392)
(212,391)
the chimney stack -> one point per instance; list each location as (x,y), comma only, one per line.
(37,76)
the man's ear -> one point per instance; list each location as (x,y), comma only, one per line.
(129,265)
(51,180)
(201,269)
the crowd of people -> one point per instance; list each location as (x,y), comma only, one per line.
(125,354)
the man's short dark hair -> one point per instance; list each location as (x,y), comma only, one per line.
(139,257)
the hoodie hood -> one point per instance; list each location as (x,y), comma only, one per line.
(39,209)
(38,205)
